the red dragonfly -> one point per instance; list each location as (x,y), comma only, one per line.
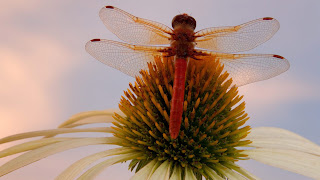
(148,39)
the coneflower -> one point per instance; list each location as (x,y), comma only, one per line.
(212,126)
(212,138)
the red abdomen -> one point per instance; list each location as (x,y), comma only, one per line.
(177,97)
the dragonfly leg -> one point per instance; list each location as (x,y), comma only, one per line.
(196,55)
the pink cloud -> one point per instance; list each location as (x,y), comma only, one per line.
(27,78)
(280,90)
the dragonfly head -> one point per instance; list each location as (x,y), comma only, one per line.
(185,20)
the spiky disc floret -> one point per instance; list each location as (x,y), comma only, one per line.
(212,124)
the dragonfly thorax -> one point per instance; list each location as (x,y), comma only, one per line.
(182,42)
(182,39)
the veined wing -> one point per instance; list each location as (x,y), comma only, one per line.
(237,38)
(249,68)
(127,58)
(134,29)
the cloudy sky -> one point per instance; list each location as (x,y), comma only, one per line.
(46,76)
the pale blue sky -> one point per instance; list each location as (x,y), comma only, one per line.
(46,75)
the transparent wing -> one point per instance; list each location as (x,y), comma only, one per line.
(249,68)
(127,58)
(134,29)
(237,38)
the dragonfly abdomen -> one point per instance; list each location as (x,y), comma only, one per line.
(177,97)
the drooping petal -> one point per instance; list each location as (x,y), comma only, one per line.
(247,174)
(103,117)
(189,174)
(240,170)
(31,145)
(147,171)
(53,132)
(86,121)
(277,138)
(95,170)
(295,161)
(212,174)
(176,174)
(230,174)
(76,168)
(37,154)
(162,172)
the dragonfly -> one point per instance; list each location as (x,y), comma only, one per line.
(146,39)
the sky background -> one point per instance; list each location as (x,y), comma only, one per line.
(46,76)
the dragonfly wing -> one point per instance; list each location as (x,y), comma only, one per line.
(134,29)
(237,38)
(127,58)
(249,68)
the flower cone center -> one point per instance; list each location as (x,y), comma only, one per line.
(212,122)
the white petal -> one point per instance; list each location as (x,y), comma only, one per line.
(76,168)
(247,174)
(240,170)
(95,170)
(37,154)
(162,172)
(176,174)
(30,145)
(295,161)
(212,174)
(53,132)
(92,120)
(277,138)
(189,174)
(230,174)
(146,172)
(103,116)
